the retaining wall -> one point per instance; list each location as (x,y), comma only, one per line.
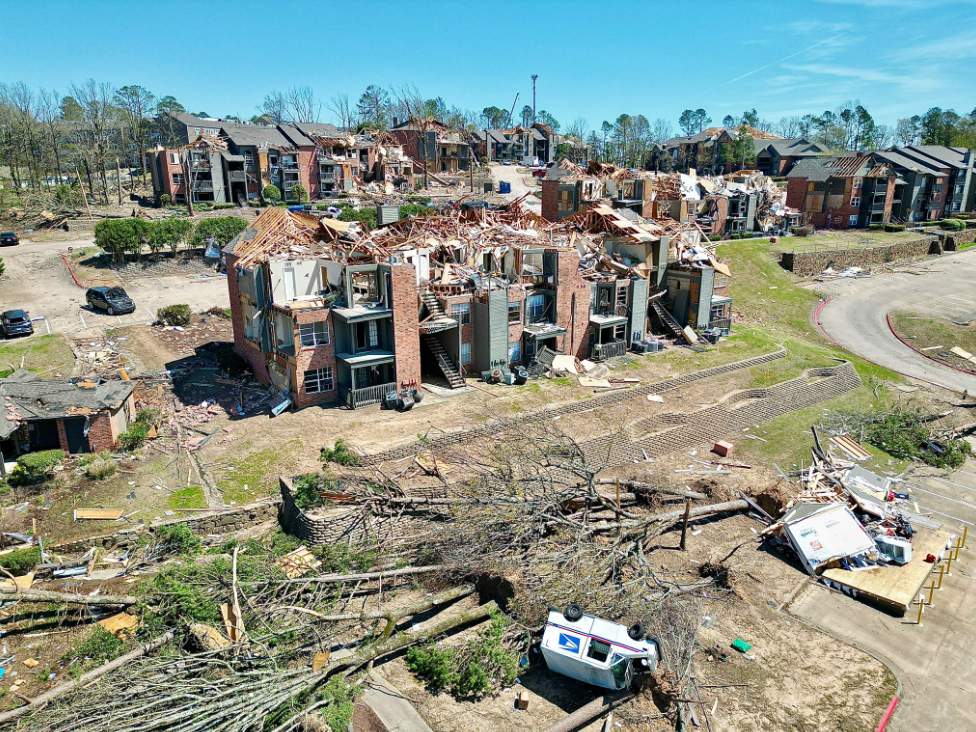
(806,264)
(218,522)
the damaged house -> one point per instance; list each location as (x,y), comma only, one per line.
(72,415)
(844,192)
(434,145)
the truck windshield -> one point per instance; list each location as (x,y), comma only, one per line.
(619,668)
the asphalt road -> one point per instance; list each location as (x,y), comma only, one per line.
(37,280)
(855,316)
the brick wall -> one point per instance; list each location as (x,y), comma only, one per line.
(516,294)
(796,192)
(316,357)
(100,434)
(308,172)
(406,329)
(573,305)
(805,264)
(550,200)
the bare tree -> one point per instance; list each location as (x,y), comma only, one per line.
(301,104)
(95,99)
(661,130)
(789,126)
(49,115)
(275,106)
(24,103)
(339,106)
(136,104)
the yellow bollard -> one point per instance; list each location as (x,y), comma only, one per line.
(931,590)
(948,562)
(941,573)
(919,620)
(965,535)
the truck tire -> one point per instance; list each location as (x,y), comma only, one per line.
(573,612)
(636,632)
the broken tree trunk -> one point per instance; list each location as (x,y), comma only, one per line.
(66,597)
(738,505)
(339,578)
(61,689)
(588,712)
(638,487)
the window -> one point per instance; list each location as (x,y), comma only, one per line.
(177,179)
(537,308)
(515,352)
(314,334)
(461,312)
(515,312)
(319,380)
(174,158)
(852,220)
(855,201)
(465,354)
(598,650)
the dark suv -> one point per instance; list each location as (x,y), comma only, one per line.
(113,300)
(8,239)
(16,323)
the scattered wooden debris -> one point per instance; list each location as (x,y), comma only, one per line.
(97,514)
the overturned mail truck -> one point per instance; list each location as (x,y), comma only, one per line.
(596,651)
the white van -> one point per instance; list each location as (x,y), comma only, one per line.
(596,651)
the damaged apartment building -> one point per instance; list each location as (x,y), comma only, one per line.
(236,164)
(332,315)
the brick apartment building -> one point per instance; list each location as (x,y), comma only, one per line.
(329,315)
(74,416)
(935,181)
(435,145)
(843,192)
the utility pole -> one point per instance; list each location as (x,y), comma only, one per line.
(534,77)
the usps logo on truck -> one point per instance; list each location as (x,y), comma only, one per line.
(569,643)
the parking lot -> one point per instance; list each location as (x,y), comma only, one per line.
(37,280)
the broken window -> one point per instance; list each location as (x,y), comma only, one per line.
(364,289)
(319,380)
(461,312)
(367,335)
(515,312)
(536,308)
(465,353)
(314,334)
(598,651)
(532,263)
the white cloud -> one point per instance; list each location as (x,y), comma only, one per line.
(898,4)
(940,49)
(906,82)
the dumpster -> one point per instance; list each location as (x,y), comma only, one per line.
(504,186)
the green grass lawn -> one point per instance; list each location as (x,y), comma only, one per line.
(189,497)
(45,355)
(924,332)
(772,311)
(854,239)
(254,475)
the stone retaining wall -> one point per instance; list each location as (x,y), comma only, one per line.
(806,264)
(218,522)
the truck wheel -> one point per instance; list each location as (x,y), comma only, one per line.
(573,612)
(636,632)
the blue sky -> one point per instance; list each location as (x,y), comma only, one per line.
(594,59)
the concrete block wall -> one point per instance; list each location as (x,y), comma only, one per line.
(204,524)
(805,264)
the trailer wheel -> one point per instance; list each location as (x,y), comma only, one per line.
(636,632)
(573,612)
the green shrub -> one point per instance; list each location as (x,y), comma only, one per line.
(100,467)
(480,667)
(271,193)
(953,224)
(21,561)
(894,227)
(308,491)
(134,437)
(150,417)
(802,230)
(366,216)
(165,200)
(875,227)
(36,467)
(176,539)
(172,232)
(224,205)
(221,228)
(175,314)
(120,236)
(321,206)
(414,209)
(339,453)
(904,433)
(99,647)
(3,267)
(342,557)
(180,597)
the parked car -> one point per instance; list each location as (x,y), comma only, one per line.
(9,239)
(16,323)
(113,300)
(597,651)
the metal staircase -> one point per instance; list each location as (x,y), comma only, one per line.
(436,320)
(668,321)
(444,362)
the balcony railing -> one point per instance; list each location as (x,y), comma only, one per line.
(354,398)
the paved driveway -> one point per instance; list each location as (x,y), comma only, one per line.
(36,279)
(855,317)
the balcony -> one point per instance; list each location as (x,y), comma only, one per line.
(236,176)
(203,186)
(354,398)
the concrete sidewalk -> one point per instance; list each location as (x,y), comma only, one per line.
(393,709)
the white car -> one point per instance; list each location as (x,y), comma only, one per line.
(596,651)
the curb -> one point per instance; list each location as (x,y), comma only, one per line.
(889,711)
(904,342)
(74,277)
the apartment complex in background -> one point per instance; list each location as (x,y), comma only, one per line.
(434,145)
(846,192)
(535,144)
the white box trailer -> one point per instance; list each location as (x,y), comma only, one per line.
(596,651)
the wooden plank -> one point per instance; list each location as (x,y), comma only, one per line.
(106,514)
(894,586)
